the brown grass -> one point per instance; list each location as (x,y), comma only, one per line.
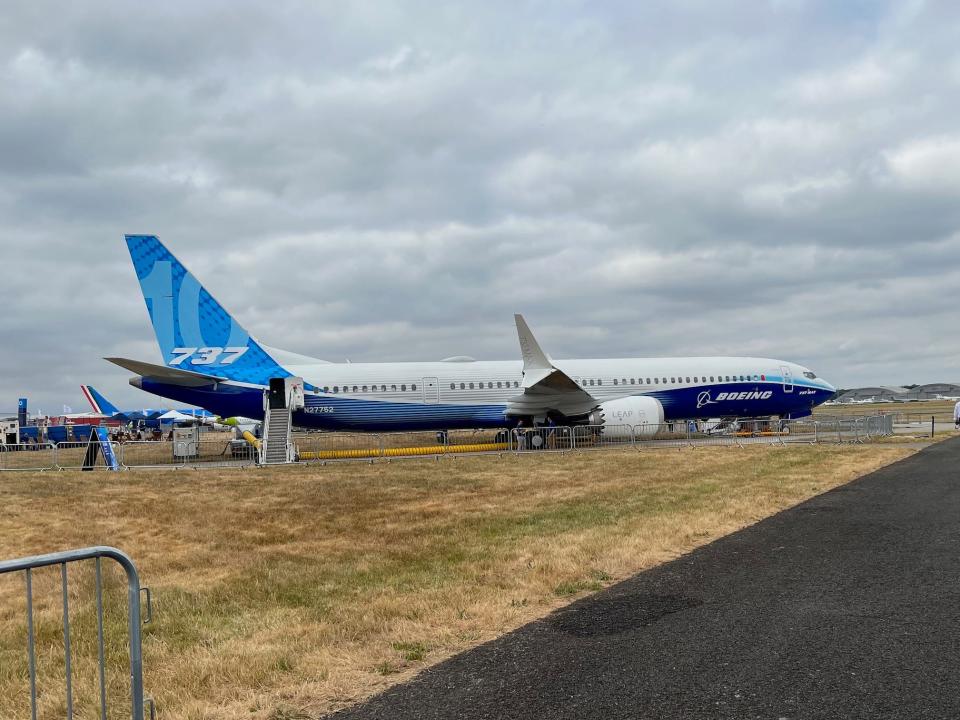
(291,592)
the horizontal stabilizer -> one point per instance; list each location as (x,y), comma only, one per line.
(169,375)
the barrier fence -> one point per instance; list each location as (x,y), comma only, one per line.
(206,453)
(323,447)
(74,643)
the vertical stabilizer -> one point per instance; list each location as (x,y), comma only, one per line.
(193,330)
(98,402)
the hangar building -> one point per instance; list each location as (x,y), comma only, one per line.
(871,393)
(929,391)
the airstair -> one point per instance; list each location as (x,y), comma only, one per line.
(276,436)
(284,396)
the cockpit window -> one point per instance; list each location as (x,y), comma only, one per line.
(808,374)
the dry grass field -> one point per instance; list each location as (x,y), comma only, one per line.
(290,592)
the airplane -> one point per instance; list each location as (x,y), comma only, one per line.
(102,406)
(211,361)
(152,416)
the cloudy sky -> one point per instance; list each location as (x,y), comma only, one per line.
(391,181)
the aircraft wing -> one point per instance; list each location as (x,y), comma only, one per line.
(546,388)
(169,375)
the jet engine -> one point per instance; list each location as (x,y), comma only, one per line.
(640,414)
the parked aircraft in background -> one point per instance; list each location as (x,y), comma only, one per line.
(102,406)
(211,361)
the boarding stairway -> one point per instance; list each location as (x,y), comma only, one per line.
(284,396)
(276,436)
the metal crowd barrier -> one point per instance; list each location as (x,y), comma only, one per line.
(204,453)
(42,646)
(840,430)
(71,455)
(28,456)
(322,447)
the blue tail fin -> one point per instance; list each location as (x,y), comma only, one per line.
(193,330)
(98,402)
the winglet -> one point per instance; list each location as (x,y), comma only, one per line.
(534,358)
(537,365)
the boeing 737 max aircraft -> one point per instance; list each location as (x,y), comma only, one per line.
(212,362)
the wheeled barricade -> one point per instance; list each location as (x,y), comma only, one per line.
(73,642)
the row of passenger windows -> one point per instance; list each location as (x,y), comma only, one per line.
(480,385)
(369,388)
(501,384)
(677,380)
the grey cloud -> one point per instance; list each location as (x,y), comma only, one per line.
(393,181)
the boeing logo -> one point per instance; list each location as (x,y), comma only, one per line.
(704,399)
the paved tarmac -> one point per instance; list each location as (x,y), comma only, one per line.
(847,606)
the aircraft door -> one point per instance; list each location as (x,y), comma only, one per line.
(277,395)
(787,380)
(431,390)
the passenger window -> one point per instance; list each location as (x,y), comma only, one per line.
(599,382)
(499,384)
(413,387)
(489,386)
(336,389)
(516,384)
(364,388)
(393,387)
(471,386)
(615,382)
(355,388)
(463,386)
(403,388)
(688,381)
(453,386)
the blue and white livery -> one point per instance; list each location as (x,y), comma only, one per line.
(211,361)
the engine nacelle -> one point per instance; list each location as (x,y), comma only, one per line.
(640,414)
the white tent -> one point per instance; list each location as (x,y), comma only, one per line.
(174,416)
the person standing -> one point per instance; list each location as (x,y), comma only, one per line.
(956,415)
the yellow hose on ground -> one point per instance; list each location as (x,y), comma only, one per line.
(402,452)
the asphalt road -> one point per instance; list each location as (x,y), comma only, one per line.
(847,606)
